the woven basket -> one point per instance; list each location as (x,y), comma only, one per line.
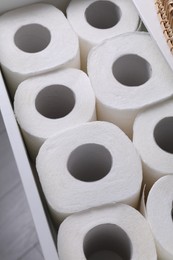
(165,15)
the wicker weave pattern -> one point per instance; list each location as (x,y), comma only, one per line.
(165,14)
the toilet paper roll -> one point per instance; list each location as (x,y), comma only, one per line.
(160,215)
(47,104)
(128,73)
(112,232)
(34,40)
(95,21)
(87,166)
(153,139)
(9,5)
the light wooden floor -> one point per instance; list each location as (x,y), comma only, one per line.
(18,238)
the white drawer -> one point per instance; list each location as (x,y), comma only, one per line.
(43,224)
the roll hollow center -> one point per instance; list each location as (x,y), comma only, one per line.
(131,70)
(163,134)
(107,241)
(89,162)
(55,101)
(32,38)
(103,14)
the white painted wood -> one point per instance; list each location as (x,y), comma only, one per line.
(9,176)
(2,127)
(33,254)
(18,239)
(17,231)
(40,220)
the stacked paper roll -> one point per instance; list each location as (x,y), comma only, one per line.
(153,139)
(9,5)
(126,78)
(95,21)
(87,166)
(50,103)
(111,232)
(159,213)
(86,169)
(30,44)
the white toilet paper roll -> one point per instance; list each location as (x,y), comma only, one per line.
(34,40)
(160,216)
(9,5)
(47,104)
(128,73)
(112,232)
(87,166)
(153,139)
(95,21)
